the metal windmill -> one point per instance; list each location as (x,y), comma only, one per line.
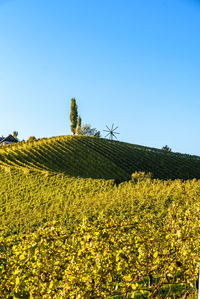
(111,132)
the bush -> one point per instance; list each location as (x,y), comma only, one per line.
(141,176)
(31,138)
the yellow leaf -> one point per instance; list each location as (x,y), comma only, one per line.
(17,280)
(51,284)
(134,286)
(155,254)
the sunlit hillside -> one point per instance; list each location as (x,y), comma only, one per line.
(89,157)
(68,230)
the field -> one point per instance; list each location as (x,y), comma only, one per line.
(97,158)
(75,222)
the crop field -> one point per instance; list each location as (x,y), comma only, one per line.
(97,158)
(78,221)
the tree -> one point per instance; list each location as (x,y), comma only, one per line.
(88,131)
(73,116)
(166,148)
(31,138)
(79,126)
(15,134)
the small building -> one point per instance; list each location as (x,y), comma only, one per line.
(7,140)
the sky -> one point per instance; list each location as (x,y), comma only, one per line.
(134,63)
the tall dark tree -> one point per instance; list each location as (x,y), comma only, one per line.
(73,116)
(79,125)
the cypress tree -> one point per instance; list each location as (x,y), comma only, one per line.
(73,116)
(79,126)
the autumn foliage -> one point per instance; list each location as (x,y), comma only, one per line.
(133,239)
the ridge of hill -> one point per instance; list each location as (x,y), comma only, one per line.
(98,158)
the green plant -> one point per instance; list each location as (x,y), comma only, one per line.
(73,115)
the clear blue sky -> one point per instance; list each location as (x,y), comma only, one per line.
(134,63)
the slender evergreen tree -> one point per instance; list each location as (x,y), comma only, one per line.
(73,116)
(79,126)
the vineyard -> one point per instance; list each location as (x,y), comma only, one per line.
(89,157)
(31,198)
(67,230)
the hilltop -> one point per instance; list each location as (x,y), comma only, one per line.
(97,158)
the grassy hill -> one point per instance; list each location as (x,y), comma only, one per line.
(89,157)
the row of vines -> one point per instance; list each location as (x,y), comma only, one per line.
(29,198)
(140,239)
(98,158)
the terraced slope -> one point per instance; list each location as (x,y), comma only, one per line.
(89,157)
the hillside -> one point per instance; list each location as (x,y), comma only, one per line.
(89,157)
(30,198)
(137,238)
(68,231)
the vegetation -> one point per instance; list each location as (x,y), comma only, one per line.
(67,230)
(87,130)
(30,198)
(15,134)
(73,115)
(31,138)
(166,148)
(139,239)
(98,158)
(79,126)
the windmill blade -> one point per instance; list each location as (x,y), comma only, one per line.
(115,129)
(116,133)
(108,128)
(115,136)
(106,131)
(112,127)
(107,135)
